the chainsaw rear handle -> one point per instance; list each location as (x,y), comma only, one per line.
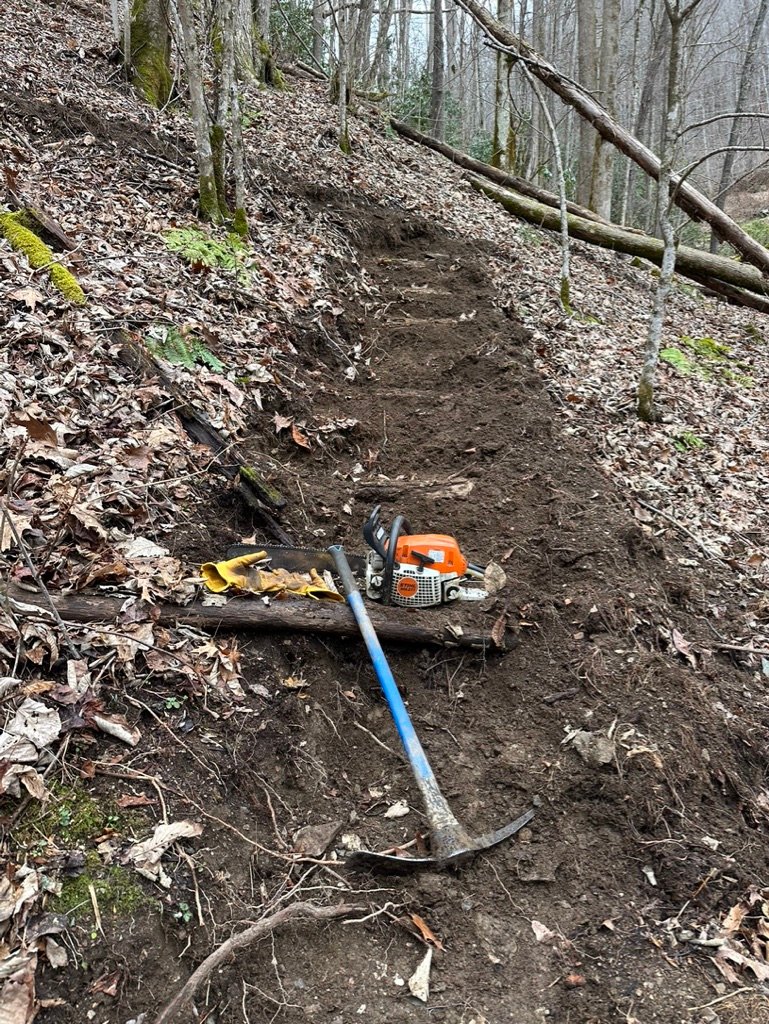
(385,546)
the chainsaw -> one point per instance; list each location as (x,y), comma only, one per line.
(413,570)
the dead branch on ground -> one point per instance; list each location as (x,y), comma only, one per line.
(295,912)
(294,616)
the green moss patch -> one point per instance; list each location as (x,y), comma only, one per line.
(706,358)
(118,892)
(40,257)
(71,819)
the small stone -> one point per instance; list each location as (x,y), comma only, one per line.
(575,980)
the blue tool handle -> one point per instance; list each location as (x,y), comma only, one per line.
(414,751)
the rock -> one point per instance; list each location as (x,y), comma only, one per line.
(595,748)
(314,840)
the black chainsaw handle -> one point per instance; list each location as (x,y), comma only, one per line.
(400,525)
(376,537)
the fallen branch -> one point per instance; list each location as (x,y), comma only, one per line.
(252,488)
(201,974)
(703,267)
(295,616)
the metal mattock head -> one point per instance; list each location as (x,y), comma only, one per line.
(451,846)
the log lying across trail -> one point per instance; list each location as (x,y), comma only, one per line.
(684,195)
(736,281)
(293,616)
(494,174)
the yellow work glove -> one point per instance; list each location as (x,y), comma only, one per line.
(246,574)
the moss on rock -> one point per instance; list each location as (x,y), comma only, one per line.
(39,256)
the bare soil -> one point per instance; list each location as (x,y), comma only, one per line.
(615,851)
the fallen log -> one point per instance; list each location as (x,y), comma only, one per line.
(494,174)
(684,195)
(252,488)
(293,616)
(43,221)
(701,266)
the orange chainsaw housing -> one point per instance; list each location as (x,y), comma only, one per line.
(444,551)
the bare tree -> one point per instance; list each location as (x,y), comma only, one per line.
(746,80)
(208,197)
(438,72)
(677,16)
(602,177)
(587,65)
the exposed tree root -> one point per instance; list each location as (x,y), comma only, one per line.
(257,931)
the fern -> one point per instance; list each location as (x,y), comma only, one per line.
(179,349)
(201,250)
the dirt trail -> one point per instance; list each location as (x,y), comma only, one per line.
(450,390)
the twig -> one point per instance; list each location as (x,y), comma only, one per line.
(679,526)
(191,865)
(763,651)
(95,905)
(378,742)
(721,999)
(242,940)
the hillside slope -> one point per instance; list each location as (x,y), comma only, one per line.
(385,335)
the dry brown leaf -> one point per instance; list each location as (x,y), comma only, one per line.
(299,438)
(426,931)
(498,629)
(281,422)
(733,920)
(107,984)
(129,800)
(683,647)
(29,296)
(37,429)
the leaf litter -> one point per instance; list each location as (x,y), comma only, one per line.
(97,471)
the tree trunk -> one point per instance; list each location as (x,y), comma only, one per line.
(587,61)
(244,38)
(500,139)
(150,51)
(563,213)
(646,408)
(379,75)
(684,195)
(695,263)
(317,32)
(603,167)
(746,80)
(208,198)
(438,75)
(224,30)
(635,96)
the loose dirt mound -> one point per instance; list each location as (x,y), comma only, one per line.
(646,826)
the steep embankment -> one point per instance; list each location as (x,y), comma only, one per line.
(387,335)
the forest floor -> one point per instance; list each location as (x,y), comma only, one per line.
(387,335)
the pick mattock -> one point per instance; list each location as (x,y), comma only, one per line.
(450,842)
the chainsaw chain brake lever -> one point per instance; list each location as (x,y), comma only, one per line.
(377,537)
